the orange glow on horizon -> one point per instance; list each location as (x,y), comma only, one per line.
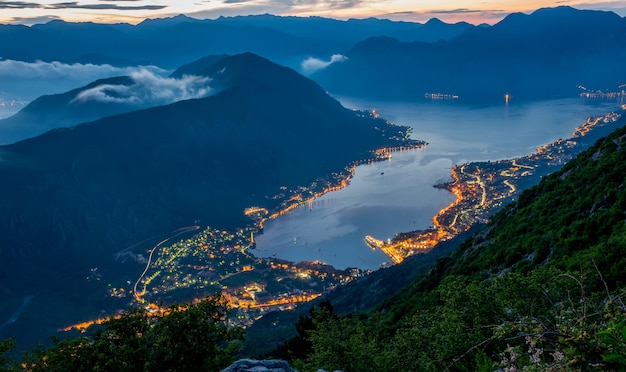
(449,11)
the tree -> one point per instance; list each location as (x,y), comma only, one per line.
(193,338)
(179,338)
(300,346)
(6,361)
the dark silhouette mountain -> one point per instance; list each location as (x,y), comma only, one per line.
(169,42)
(61,110)
(72,197)
(542,55)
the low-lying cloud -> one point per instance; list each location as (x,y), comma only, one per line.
(29,80)
(148,89)
(311,64)
(58,70)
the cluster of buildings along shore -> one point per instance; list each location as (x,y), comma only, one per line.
(483,187)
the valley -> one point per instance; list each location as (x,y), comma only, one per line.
(215,260)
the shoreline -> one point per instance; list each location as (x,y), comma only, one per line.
(481,188)
(339,181)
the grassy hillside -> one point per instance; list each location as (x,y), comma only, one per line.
(541,287)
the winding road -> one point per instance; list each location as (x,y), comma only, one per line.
(177,232)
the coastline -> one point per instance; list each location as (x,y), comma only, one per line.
(481,188)
(338,182)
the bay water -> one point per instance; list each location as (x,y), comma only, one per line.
(397,195)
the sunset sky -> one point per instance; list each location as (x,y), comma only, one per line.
(134,11)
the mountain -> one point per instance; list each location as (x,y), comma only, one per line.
(540,287)
(546,54)
(61,110)
(72,197)
(105,97)
(344,34)
(169,42)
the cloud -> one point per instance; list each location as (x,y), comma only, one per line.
(76,5)
(329,4)
(148,89)
(461,11)
(34,20)
(615,6)
(328,8)
(18,5)
(311,64)
(29,80)
(57,70)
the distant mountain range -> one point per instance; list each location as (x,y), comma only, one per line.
(72,197)
(167,43)
(170,42)
(546,54)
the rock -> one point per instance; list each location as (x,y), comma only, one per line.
(251,365)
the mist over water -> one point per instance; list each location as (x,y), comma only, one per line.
(398,195)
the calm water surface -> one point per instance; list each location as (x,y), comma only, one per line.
(398,195)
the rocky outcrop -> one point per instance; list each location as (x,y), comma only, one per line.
(251,365)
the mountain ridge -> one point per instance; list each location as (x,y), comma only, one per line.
(543,55)
(151,41)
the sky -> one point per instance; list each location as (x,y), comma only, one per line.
(134,11)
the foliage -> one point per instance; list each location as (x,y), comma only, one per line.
(299,346)
(568,332)
(195,337)
(614,335)
(6,362)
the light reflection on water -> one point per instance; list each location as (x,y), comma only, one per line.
(398,195)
